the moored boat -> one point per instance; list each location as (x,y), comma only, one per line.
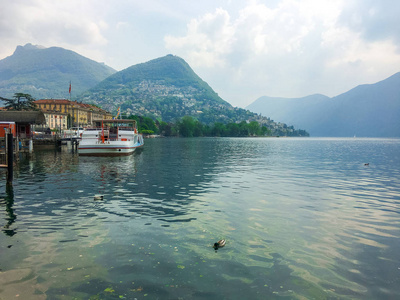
(110,138)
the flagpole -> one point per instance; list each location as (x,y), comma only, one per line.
(70,102)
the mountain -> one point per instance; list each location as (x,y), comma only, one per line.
(369,110)
(47,72)
(165,88)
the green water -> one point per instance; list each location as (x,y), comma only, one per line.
(303,219)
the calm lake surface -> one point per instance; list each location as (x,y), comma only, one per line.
(303,219)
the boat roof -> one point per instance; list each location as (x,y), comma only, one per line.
(115,121)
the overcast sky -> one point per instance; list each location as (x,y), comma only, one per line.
(243,49)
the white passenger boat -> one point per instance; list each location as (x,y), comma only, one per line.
(110,138)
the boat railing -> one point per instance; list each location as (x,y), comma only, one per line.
(125,128)
(100,141)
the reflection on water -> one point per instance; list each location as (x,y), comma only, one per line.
(8,202)
(303,218)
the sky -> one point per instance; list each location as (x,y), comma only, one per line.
(243,49)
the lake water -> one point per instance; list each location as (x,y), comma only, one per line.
(302,218)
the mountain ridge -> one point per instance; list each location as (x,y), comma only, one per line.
(367,110)
(163,88)
(46,72)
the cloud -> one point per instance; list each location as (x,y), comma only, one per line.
(52,23)
(244,49)
(260,46)
(374,20)
(208,39)
(258,30)
(292,49)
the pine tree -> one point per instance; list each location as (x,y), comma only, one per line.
(20,101)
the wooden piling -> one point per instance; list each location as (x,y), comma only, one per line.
(10,158)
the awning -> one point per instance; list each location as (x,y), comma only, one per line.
(30,117)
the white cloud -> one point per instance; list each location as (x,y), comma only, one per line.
(374,20)
(208,39)
(292,49)
(244,49)
(71,24)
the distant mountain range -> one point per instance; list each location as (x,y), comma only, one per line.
(369,110)
(47,72)
(165,88)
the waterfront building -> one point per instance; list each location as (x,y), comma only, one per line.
(63,114)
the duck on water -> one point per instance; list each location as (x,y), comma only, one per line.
(219,244)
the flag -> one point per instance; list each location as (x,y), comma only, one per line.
(70,87)
(118,112)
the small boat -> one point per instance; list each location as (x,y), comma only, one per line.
(115,137)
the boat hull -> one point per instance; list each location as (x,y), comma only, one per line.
(105,151)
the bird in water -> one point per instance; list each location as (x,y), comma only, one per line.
(219,244)
(366,164)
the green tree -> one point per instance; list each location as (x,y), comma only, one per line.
(198,128)
(147,123)
(165,128)
(233,129)
(187,126)
(20,101)
(243,129)
(265,131)
(219,129)
(254,128)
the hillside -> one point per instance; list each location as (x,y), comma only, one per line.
(370,110)
(165,88)
(46,72)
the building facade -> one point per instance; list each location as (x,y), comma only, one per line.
(63,114)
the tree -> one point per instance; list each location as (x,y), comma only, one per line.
(243,129)
(219,129)
(147,123)
(187,126)
(233,129)
(253,127)
(20,101)
(165,128)
(265,131)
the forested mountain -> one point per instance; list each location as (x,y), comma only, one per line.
(47,72)
(369,110)
(165,88)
